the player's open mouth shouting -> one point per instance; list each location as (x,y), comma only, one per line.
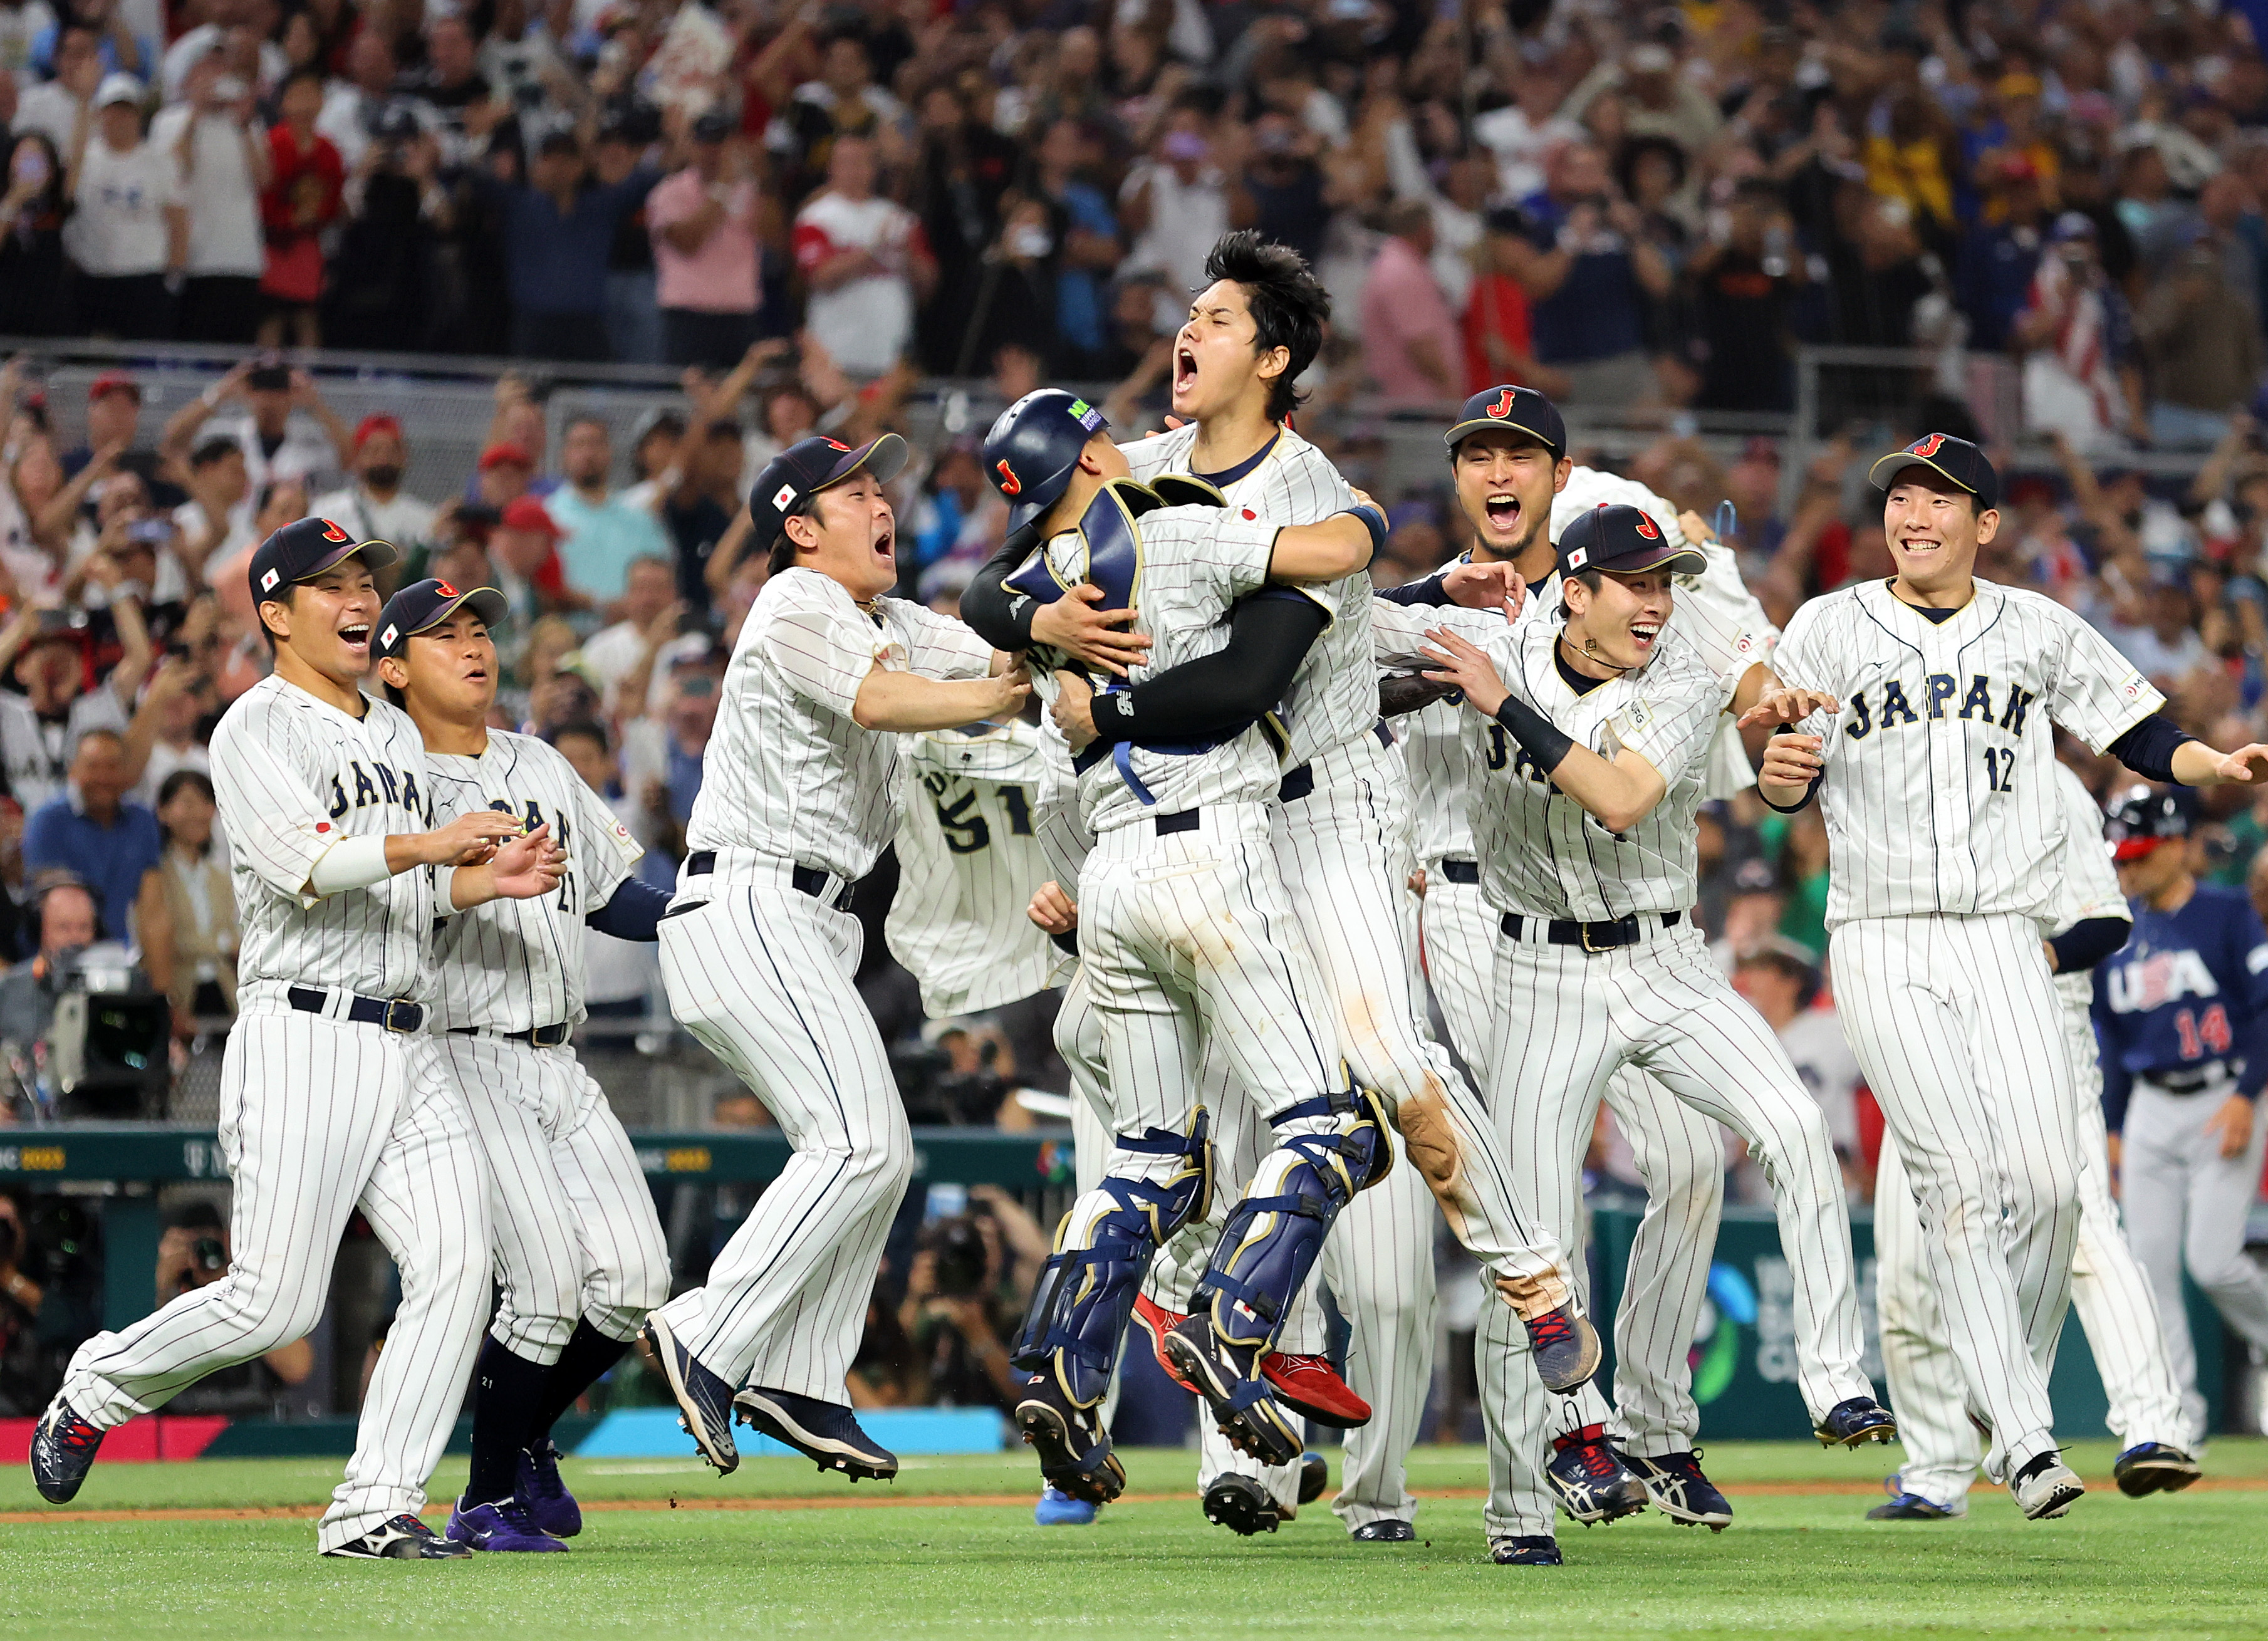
(355,635)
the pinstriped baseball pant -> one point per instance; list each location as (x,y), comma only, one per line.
(1568,1020)
(1679,1158)
(1954,1021)
(574,1227)
(761,975)
(319,1117)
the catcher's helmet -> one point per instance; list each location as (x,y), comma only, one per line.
(1032,448)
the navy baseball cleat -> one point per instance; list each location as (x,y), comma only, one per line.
(1315,1475)
(1241,1504)
(2153,1467)
(1228,1377)
(64,1446)
(704,1401)
(1854,1423)
(1058,1509)
(1074,1449)
(1680,1491)
(502,1525)
(822,1432)
(1566,1347)
(1526,1552)
(404,1538)
(1909,1507)
(1385,1530)
(1591,1483)
(537,1486)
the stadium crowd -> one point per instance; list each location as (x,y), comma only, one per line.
(810,207)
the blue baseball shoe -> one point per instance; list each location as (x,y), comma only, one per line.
(504,1525)
(537,1485)
(1591,1483)
(822,1432)
(1565,1347)
(64,1446)
(1058,1509)
(1680,1491)
(1854,1423)
(1908,1507)
(704,1401)
(2153,1467)
(1526,1552)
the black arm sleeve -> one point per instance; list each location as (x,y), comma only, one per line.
(1269,635)
(2087,942)
(1002,619)
(1428,592)
(2149,748)
(633,914)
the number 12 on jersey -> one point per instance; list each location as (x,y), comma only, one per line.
(2000,767)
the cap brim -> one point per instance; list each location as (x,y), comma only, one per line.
(376,555)
(1898,460)
(1482,424)
(884,456)
(490,605)
(1678,561)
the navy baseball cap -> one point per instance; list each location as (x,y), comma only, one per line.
(1949,457)
(424,605)
(303,549)
(1623,542)
(1523,409)
(791,479)
(1033,447)
(2142,820)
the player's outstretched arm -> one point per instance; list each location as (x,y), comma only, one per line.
(356,863)
(1329,551)
(2194,763)
(908,703)
(1618,793)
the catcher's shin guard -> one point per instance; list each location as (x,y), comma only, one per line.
(1274,1235)
(1087,1291)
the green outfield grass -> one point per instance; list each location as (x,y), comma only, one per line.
(1796,1563)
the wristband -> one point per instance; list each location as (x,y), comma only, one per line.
(1547,743)
(1372,520)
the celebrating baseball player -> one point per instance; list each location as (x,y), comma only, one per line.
(2182,1012)
(1586,846)
(332,1098)
(2108,1288)
(758,950)
(579,1252)
(1924,704)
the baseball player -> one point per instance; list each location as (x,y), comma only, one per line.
(1506,452)
(332,1099)
(579,1252)
(757,950)
(1585,842)
(2108,1288)
(1925,703)
(2182,1012)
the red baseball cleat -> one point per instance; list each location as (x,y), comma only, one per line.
(1311,1387)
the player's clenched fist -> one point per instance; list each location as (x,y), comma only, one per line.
(1790,761)
(469,839)
(1053,910)
(1786,705)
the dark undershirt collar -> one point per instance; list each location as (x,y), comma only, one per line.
(1935,618)
(1222,480)
(1582,684)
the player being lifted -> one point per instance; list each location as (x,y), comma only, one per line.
(1585,840)
(758,950)
(1925,703)
(332,1098)
(579,1252)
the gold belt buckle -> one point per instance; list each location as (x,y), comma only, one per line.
(1583,933)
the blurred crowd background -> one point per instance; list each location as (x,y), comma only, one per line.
(533,290)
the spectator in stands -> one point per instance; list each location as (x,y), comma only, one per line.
(865,263)
(1746,282)
(522,550)
(373,505)
(1781,980)
(634,329)
(179,699)
(961,186)
(842,101)
(1589,271)
(698,511)
(66,918)
(128,233)
(504,473)
(703,223)
(215,140)
(1091,247)
(647,617)
(450,94)
(34,282)
(94,832)
(1410,341)
(2201,336)
(307,180)
(1999,254)
(277,443)
(41,728)
(2081,379)
(558,229)
(355,105)
(600,533)
(53,107)
(383,280)
(29,1370)
(185,914)
(1178,202)
(193,1254)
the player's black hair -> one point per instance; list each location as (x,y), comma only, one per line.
(283,595)
(783,548)
(1289,306)
(1590,579)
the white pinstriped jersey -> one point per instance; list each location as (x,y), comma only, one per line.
(513,966)
(970,860)
(1539,853)
(2086,882)
(788,772)
(1333,695)
(1196,562)
(292,777)
(1939,791)
(1440,764)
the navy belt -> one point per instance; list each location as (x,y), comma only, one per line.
(1180,821)
(539,1037)
(807,880)
(1592,937)
(1465,872)
(2191,1080)
(1298,784)
(394,1015)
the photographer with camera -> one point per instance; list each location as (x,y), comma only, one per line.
(972,1278)
(193,1254)
(81,1034)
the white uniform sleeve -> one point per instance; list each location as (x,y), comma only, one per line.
(1397,630)
(605,850)
(1721,618)
(1801,661)
(1669,722)
(1232,552)
(2090,882)
(822,646)
(938,646)
(275,817)
(2093,691)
